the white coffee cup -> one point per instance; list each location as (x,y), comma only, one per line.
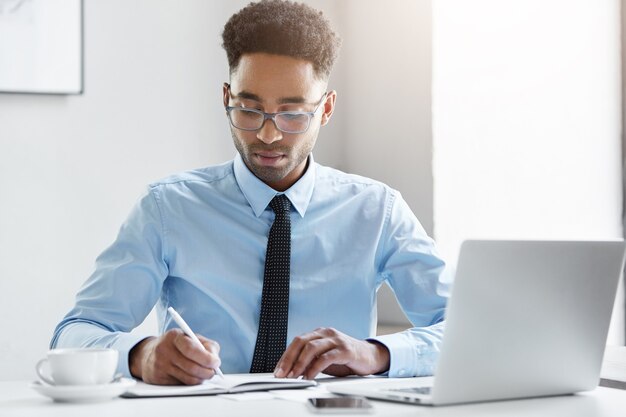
(79,366)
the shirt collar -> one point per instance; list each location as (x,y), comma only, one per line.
(260,194)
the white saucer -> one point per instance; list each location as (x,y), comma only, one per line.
(83,393)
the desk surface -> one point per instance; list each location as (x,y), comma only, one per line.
(17,399)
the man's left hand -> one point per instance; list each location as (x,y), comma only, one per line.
(332,352)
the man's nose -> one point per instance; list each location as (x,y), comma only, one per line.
(268,133)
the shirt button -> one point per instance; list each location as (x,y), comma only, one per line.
(401,372)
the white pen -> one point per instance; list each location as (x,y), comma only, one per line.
(187,330)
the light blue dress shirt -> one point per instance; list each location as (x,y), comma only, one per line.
(196,241)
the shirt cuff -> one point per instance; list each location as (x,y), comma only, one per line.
(405,358)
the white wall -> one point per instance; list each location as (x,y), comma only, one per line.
(387,96)
(386,105)
(527,122)
(72,166)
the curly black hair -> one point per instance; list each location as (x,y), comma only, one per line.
(282,28)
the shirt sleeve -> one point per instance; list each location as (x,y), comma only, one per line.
(122,290)
(421,282)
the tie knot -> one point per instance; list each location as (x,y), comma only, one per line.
(280,204)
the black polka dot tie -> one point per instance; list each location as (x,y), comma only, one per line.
(271,340)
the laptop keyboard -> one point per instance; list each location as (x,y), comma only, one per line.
(414,390)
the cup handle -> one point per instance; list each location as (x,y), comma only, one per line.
(42,376)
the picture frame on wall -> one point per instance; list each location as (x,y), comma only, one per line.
(41,46)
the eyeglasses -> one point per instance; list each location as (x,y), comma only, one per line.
(285,121)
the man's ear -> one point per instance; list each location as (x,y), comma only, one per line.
(225,93)
(329,106)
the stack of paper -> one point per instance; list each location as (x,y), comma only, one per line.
(219,385)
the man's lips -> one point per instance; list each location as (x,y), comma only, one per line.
(269,154)
(269,158)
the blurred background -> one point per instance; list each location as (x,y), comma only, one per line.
(495,119)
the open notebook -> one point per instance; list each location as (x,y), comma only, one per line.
(219,385)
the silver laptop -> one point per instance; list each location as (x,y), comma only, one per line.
(525,319)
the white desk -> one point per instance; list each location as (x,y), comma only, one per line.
(18,400)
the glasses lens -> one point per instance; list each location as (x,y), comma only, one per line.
(246,119)
(292,122)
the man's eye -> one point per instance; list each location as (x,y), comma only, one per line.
(248,113)
(292,116)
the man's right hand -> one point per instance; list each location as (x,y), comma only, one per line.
(173,358)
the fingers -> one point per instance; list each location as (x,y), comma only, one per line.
(332,356)
(206,356)
(311,353)
(175,358)
(329,350)
(291,354)
(210,345)
(189,375)
(194,359)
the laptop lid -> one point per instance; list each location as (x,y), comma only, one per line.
(525,319)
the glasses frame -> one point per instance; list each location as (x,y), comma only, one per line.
(272,116)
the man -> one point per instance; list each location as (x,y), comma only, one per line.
(272,259)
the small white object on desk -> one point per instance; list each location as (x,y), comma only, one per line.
(83,393)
